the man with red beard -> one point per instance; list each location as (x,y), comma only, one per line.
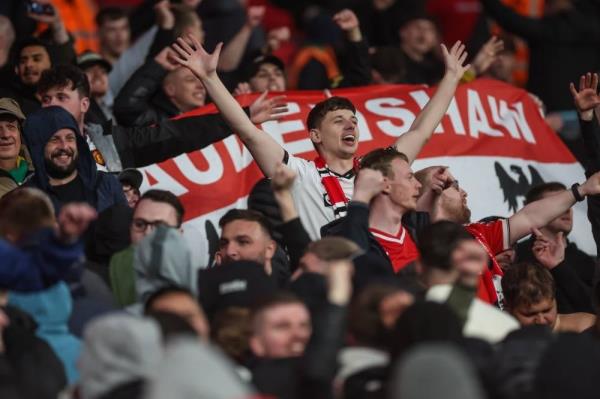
(499,235)
(64,166)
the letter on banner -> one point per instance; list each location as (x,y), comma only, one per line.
(377,107)
(208,176)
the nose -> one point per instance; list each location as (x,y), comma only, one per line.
(540,320)
(230,251)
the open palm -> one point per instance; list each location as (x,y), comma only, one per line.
(196,59)
(454,60)
(586,99)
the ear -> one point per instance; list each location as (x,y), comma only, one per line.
(85,104)
(315,136)
(256,346)
(270,250)
(387,186)
(169,89)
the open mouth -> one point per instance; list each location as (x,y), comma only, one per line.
(349,139)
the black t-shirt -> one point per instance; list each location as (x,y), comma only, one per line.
(73,191)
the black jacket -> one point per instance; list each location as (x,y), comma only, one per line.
(141,102)
(573,277)
(355,227)
(562,46)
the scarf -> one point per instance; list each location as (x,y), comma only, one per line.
(336,198)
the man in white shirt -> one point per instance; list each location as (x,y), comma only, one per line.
(324,186)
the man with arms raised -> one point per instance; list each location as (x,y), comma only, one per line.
(324,185)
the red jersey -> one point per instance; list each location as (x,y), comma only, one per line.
(494,237)
(400,248)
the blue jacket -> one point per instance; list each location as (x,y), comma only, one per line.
(51,309)
(38,263)
(102,190)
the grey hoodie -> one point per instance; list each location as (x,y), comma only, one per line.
(118,349)
(434,371)
(163,258)
(192,369)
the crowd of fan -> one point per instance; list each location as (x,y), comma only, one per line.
(346,277)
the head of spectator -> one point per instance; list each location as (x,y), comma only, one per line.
(504,65)
(563,223)
(7,38)
(449,252)
(118,349)
(131,180)
(32,59)
(187,22)
(12,148)
(58,150)
(401,189)
(66,86)
(333,128)
(266,72)
(281,327)
(230,330)
(327,249)
(183,89)
(179,301)
(419,36)
(113,32)
(246,235)
(374,312)
(155,207)
(23,212)
(452,204)
(388,66)
(237,284)
(529,294)
(96,69)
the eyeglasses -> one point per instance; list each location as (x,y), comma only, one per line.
(140,224)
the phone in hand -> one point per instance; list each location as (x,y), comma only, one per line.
(35,7)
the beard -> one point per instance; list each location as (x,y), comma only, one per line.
(458,214)
(58,171)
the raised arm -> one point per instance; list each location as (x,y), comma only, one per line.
(234,50)
(265,150)
(539,213)
(411,142)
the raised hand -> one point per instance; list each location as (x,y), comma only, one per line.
(196,59)
(434,178)
(47,18)
(283,178)
(548,253)
(277,36)
(73,220)
(454,60)
(165,59)
(267,109)
(165,19)
(348,22)
(368,184)
(487,55)
(586,99)
(242,88)
(591,185)
(255,15)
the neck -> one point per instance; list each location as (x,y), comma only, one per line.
(8,164)
(61,182)
(438,277)
(3,56)
(338,165)
(384,216)
(81,124)
(412,53)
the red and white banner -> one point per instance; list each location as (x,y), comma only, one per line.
(493,137)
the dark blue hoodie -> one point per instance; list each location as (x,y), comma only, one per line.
(102,190)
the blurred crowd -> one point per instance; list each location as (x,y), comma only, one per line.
(344,277)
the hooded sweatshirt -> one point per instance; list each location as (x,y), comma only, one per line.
(102,190)
(163,258)
(118,349)
(51,309)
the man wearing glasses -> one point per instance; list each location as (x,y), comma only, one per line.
(154,207)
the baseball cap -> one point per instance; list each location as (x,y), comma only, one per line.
(131,176)
(90,58)
(8,106)
(238,283)
(256,63)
